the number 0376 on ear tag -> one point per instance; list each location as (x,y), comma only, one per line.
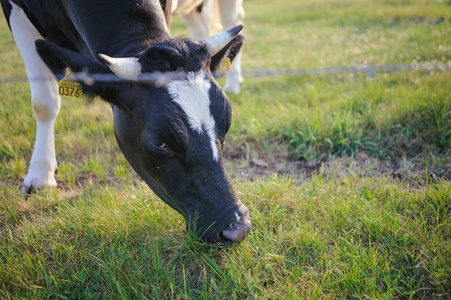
(68,87)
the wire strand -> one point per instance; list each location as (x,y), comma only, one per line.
(159,78)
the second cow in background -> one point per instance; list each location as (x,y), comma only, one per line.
(205,19)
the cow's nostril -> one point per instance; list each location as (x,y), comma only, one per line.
(233,235)
(224,240)
(237,235)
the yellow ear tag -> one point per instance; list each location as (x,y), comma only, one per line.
(224,66)
(69,87)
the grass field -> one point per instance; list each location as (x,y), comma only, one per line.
(347,177)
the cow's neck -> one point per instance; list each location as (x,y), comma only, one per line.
(120,35)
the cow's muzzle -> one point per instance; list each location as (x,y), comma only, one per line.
(230,232)
(237,232)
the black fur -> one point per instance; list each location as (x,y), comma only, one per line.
(112,27)
(200,7)
(173,55)
(183,172)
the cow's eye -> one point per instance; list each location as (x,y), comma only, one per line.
(157,147)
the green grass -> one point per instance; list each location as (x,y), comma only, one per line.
(356,197)
(325,238)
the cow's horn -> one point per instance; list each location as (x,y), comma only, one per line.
(218,41)
(125,67)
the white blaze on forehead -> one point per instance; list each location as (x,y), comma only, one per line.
(193,97)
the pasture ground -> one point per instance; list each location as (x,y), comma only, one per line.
(347,177)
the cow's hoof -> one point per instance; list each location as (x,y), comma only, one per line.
(37,179)
(27,190)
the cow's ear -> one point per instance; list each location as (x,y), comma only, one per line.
(58,59)
(220,62)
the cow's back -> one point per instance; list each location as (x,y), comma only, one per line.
(91,27)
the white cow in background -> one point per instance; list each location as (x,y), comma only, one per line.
(203,21)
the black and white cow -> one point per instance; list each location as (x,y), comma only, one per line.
(204,20)
(172,134)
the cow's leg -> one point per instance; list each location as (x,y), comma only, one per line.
(198,22)
(232,14)
(44,98)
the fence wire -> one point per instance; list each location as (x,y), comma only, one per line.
(370,70)
(162,78)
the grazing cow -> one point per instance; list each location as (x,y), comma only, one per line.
(201,21)
(171,133)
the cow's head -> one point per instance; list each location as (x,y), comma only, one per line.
(172,133)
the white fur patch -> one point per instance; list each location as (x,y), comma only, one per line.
(193,97)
